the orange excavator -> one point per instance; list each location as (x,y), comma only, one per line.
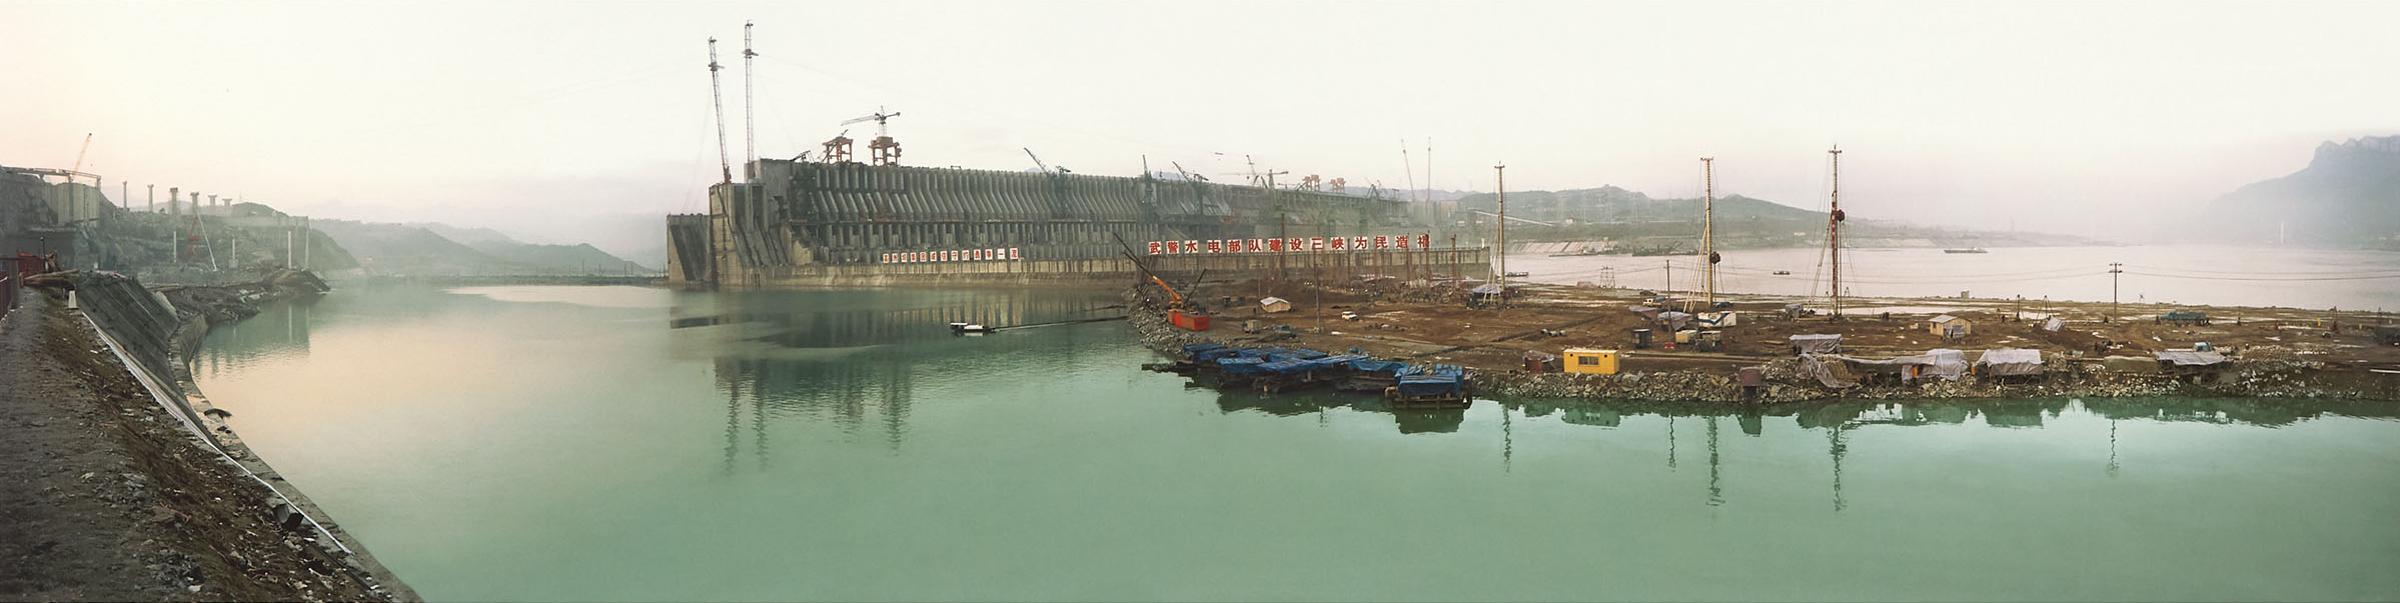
(1184,315)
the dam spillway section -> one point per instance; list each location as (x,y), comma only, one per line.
(834,224)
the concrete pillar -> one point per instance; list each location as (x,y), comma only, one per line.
(173,193)
(152,199)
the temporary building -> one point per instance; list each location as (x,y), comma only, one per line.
(1947,325)
(1274,305)
(2009,362)
(1829,343)
(1592,361)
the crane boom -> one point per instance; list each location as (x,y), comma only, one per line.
(87,149)
(716,92)
(1037,159)
(881,119)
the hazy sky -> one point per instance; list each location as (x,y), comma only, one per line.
(582,120)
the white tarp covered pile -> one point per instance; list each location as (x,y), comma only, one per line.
(1674,320)
(2190,358)
(1817,344)
(2009,362)
(1947,363)
(1815,368)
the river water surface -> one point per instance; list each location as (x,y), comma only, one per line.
(613,443)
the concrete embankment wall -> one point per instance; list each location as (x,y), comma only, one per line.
(1471,263)
(136,318)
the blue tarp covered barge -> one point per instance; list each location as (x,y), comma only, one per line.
(1277,369)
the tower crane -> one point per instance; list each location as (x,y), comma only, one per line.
(883,150)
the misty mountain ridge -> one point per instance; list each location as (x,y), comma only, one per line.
(421,249)
(1641,221)
(2348,195)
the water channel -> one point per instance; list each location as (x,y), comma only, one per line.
(618,443)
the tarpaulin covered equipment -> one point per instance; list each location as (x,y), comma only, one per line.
(2190,359)
(2009,362)
(1817,343)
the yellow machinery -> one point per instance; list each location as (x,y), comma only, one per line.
(1589,361)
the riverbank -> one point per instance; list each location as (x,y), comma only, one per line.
(127,484)
(2272,352)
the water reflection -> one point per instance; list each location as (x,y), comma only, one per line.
(851,359)
(278,330)
(855,361)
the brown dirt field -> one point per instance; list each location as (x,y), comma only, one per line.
(1399,322)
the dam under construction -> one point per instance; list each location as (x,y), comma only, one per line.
(799,223)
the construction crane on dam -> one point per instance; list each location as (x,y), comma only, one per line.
(882,150)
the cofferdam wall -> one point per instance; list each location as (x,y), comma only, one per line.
(838,224)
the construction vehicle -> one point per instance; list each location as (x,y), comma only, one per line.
(1180,312)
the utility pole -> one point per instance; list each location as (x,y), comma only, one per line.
(1454,259)
(1708,217)
(1281,220)
(2114,269)
(1670,276)
(749,116)
(716,91)
(1833,230)
(1501,192)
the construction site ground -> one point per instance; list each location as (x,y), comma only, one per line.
(1434,324)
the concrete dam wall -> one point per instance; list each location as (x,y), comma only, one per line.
(837,224)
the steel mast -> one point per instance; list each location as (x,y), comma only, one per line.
(1833,229)
(1708,243)
(716,92)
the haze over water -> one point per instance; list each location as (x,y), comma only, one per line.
(2182,274)
(557,443)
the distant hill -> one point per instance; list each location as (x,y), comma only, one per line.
(1613,204)
(2348,195)
(1640,222)
(440,249)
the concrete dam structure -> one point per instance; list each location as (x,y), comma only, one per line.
(838,224)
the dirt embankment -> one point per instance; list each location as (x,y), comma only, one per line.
(105,494)
(2278,352)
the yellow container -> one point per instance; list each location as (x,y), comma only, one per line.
(1589,361)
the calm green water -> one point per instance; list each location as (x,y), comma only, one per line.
(555,443)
